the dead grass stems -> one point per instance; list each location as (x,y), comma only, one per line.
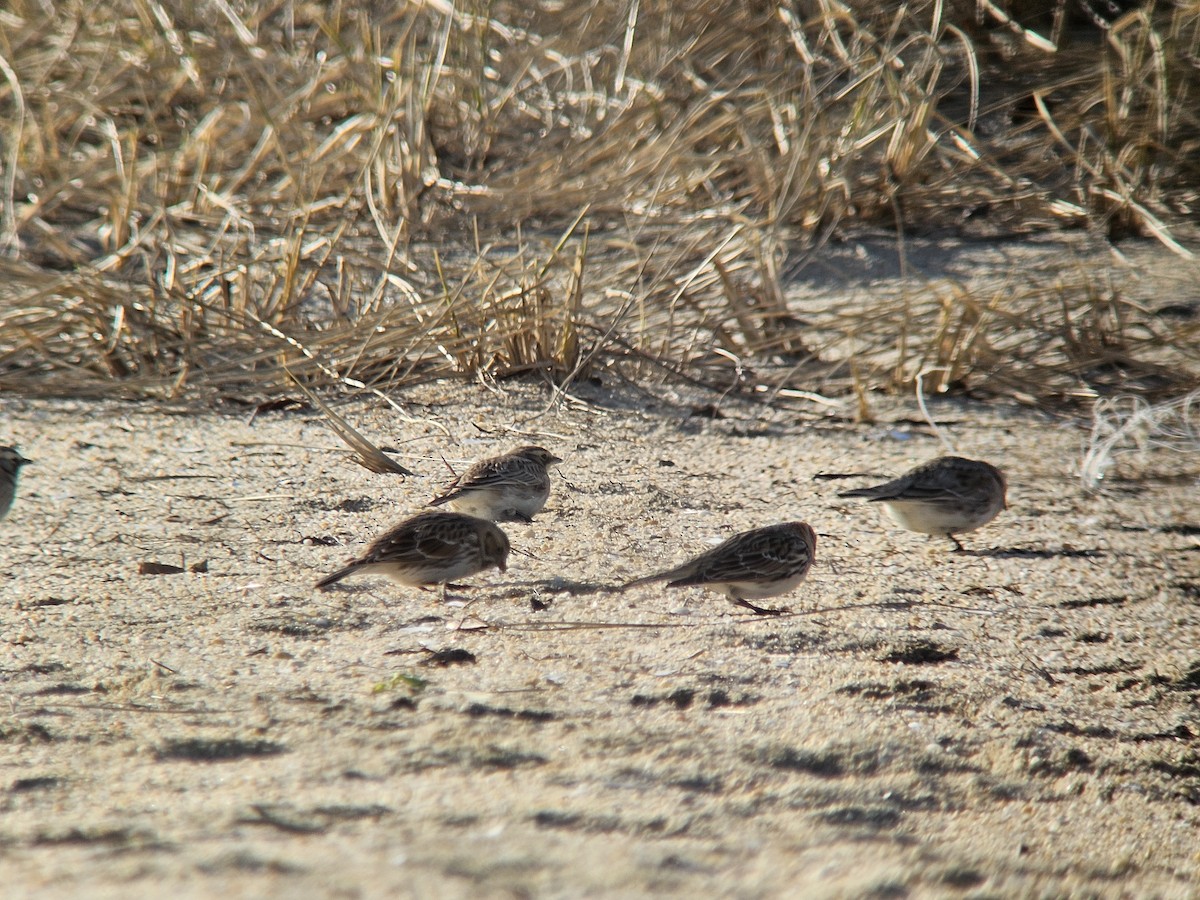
(197,204)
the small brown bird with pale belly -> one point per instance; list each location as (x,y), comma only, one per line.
(431,548)
(749,566)
(10,467)
(509,488)
(949,495)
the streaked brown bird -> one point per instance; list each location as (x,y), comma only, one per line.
(509,488)
(431,548)
(949,495)
(749,566)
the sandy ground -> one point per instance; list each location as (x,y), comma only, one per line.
(1020,719)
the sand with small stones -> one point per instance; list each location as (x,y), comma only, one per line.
(1020,719)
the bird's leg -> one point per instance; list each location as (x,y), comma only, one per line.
(958,547)
(759,610)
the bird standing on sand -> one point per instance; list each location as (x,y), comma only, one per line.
(431,548)
(749,566)
(509,488)
(10,467)
(949,495)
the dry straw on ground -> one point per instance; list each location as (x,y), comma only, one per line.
(198,198)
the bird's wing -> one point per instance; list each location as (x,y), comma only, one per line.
(438,544)
(765,555)
(505,473)
(488,473)
(725,562)
(410,544)
(900,489)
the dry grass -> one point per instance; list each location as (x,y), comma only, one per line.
(199,198)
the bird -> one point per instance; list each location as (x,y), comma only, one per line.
(10,467)
(763,562)
(430,548)
(948,495)
(509,488)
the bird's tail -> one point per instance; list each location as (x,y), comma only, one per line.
(645,579)
(869,493)
(336,577)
